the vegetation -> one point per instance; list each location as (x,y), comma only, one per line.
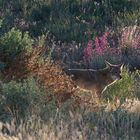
(38,39)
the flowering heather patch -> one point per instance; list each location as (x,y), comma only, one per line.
(97,51)
(130,37)
(130,46)
(88,52)
(101,44)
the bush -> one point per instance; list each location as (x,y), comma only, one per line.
(13,43)
(22,99)
(99,50)
(121,89)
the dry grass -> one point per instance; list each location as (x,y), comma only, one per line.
(47,73)
(98,125)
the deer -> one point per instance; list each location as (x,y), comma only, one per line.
(96,81)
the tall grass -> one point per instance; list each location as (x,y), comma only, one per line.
(82,126)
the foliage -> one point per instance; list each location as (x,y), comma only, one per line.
(99,50)
(22,99)
(14,43)
(69,20)
(88,125)
(51,75)
(83,34)
(130,37)
(122,88)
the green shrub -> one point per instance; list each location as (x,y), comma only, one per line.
(13,43)
(122,88)
(97,62)
(22,99)
(136,87)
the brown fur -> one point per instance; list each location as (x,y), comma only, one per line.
(95,80)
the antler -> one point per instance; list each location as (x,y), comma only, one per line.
(108,64)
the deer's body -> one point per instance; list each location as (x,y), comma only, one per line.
(95,80)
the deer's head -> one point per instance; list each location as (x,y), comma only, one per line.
(114,70)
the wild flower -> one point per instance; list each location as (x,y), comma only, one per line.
(98,50)
(97,42)
(130,37)
(136,42)
(101,44)
(88,52)
(104,40)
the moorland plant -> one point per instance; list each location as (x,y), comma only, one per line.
(40,37)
